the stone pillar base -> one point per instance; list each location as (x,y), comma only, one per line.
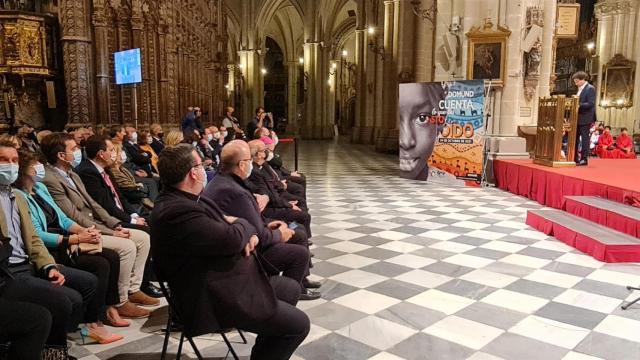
(317,132)
(362,135)
(387,141)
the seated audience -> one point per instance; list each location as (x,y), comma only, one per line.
(42,134)
(27,135)
(99,184)
(606,146)
(32,275)
(145,143)
(157,134)
(132,245)
(210,265)
(60,234)
(24,325)
(281,182)
(118,136)
(174,137)
(135,192)
(287,250)
(135,154)
(277,165)
(232,126)
(624,146)
(279,206)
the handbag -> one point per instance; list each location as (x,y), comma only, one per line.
(68,253)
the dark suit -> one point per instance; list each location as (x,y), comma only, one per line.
(157,145)
(234,198)
(586,117)
(276,164)
(214,285)
(261,182)
(100,191)
(139,158)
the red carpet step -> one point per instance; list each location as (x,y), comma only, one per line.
(614,215)
(601,243)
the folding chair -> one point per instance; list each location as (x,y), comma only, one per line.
(174,322)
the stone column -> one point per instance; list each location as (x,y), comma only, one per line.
(387,139)
(251,93)
(101,29)
(361,85)
(77,56)
(292,100)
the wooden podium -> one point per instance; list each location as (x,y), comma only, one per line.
(556,114)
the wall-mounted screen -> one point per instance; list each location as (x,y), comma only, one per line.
(128,67)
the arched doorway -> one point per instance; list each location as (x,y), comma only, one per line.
(275,81)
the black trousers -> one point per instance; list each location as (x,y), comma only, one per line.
(279,336)
(106,267)
(291,258)
(296,189)
(302,180)
(65,303)
(584,139)
(289,215)
(26,326)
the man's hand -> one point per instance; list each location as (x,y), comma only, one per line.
(141,173)
(230,219)
(141,221)
(86,236)
(294,205)
(285,233)
(56,277)
(123,233)
(276,224)
(262,200)
(296,174)
(284,182)
(251,245)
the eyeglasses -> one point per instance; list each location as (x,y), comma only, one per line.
(197,165)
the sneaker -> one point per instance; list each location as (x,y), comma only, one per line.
(140,298)
(309,295)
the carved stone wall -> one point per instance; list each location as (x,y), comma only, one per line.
(183,59)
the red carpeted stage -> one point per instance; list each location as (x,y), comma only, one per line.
(597,217)
(613,179)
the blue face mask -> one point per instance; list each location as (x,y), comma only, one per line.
(77,158)
(8,173)
(40,172)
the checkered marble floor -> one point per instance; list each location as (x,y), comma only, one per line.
(415,270)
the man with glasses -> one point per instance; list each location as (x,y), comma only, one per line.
(208,259)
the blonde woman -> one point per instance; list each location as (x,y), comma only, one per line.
(132,190)
(174,137)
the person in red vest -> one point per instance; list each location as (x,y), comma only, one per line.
(624,144)
(606,147)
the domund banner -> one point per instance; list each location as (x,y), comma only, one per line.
(442,131)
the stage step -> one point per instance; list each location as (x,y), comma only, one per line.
(601,243)
(614,215)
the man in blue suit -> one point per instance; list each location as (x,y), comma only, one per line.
(586,115)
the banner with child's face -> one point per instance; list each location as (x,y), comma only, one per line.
(442,130)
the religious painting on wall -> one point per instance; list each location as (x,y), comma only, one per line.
(568,21)
(442,131)
(486,59)
(617,83)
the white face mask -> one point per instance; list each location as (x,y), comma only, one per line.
(224,134)
(270,156)
(8,173)
(250,169)
(194,143)
(216,135)
(123,157)
(275,140)
(134,137)
(40,172)
(209,137)
(149,140)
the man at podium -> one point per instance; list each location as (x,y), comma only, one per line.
(586,116)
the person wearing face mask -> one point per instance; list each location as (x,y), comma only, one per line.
(284,248)
(134,191)
(58,232)
(72,197)
(141,159)
(99,183)
(290,190)
(216,143)
(31,274)
(224,135)
(280,206)
(158,137)
(145,143)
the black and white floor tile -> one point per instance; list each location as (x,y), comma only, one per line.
(415,270)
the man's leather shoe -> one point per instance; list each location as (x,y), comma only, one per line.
(131,311)
(309,284)
(140,298)
(582,163)
(309,242)
(152,291)
(309,295)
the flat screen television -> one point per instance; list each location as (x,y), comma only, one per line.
(128,67)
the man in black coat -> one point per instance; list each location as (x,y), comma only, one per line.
(287,250)
(260,182)
(207,258)
(586,115)
(99,184)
